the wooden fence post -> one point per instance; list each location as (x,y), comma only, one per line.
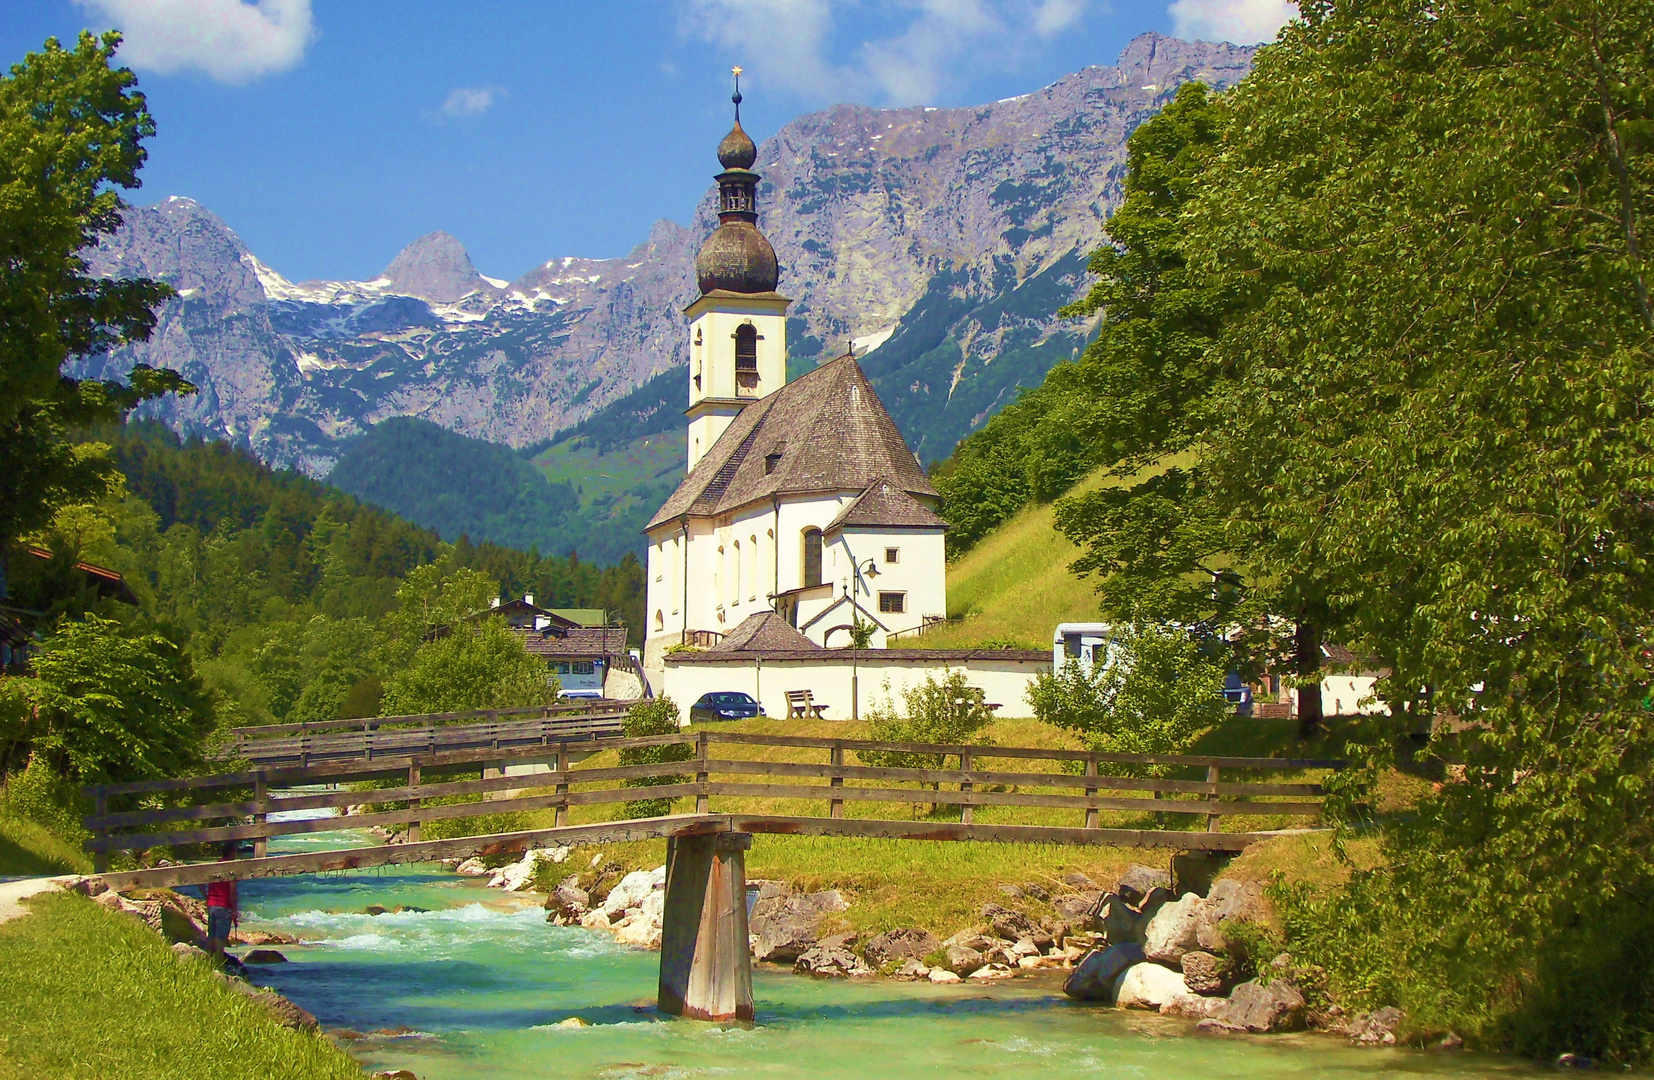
(100,859)
(562,817)
(261,799)
(966,813)
(702,802)
(1212,820)
(414,803)
(1090,790)
(835,807)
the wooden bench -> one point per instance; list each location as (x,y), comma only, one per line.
(801,705)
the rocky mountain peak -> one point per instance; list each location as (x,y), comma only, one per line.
(434,267)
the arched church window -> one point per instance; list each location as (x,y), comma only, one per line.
(746,347)
(812,557)
(660,620)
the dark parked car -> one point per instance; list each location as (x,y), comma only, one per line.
(729,705)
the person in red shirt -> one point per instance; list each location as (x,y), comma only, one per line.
(223,909)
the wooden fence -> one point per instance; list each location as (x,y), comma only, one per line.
(390,736)
(835,788)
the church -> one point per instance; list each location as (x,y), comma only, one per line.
(802,498)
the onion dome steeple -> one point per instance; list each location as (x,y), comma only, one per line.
(737,257)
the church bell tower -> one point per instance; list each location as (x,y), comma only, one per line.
(738,326)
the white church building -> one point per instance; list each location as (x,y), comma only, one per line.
(802,498)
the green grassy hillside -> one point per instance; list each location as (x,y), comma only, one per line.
(1014,587)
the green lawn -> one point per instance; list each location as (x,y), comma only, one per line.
(91,994)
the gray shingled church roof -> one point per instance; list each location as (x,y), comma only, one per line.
(764,632)
(884,505)
(825,431)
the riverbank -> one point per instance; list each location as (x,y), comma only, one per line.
(94,993)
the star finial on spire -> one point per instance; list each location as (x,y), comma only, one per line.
(736,97)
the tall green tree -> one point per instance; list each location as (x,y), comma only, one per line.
(71,134)
(1441,413)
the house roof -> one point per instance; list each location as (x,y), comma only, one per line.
(522,613)
(825,431)
(886,506)
(575,643)
(108,583)
(1020,657)
(764,632)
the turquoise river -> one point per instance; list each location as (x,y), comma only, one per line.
(477,985)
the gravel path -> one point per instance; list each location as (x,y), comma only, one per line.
(12,894)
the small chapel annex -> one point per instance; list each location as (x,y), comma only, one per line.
(802,497)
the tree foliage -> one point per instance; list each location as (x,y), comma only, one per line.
(477,664)
(71,134)
(947,710)
(658,716)
(1156,691)
(114,703)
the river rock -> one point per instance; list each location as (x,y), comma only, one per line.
(1259,1008)
(286,1013)
(1095,977)
(1193,1007)
(567,904)
(262,937)
(1139,880)
(943,975)
(638,930)
(1230,900)
(831,958)
(633,888)
(1077,910)
(1157,898)
(963,960)
(1122,924)
(1205,973)
(185,951)
(1377,1028)
(894,946)
(472,867)
(992,971)
(263,956)
(520,874)
(910,970)
(1172,930)
(1079,881)
(1006,923)
(595,919)
(1149,986)
(785,924)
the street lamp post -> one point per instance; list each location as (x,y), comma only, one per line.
(857,571)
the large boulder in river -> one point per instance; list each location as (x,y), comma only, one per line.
(894,946)
(831,958)
(1205,973)
(1007,924)
(1231,901)
(1260,1007)
(633,889)
(962,960)
(785,924)
(1095,977)
(1149,986)
(1139,880)
(1173,930)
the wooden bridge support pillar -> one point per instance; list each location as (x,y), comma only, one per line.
(705,960)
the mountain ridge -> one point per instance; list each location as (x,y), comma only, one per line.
(939,241)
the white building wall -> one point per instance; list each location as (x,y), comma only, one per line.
(878,674)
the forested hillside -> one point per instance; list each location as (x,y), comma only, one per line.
(276,582)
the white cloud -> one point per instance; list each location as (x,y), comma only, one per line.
(232,41)
(935,46)
(1243,22)
(469,101)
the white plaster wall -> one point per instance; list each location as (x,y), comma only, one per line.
(920,572)
(829,680)
(712,348)
(1348,695)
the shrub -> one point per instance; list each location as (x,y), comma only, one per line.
(657,717)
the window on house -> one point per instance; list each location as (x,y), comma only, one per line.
(812,558)
(561,666)
(892,603)
(892,555)
(583,667)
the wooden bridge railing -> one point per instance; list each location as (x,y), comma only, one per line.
(1083,787)
(379,736)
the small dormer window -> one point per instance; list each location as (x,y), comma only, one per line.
(772,462)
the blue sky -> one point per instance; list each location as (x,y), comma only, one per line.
(329,134)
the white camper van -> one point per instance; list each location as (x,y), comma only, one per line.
(1086,642)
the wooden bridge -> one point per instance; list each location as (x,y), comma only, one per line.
(995,794)
(435,733)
